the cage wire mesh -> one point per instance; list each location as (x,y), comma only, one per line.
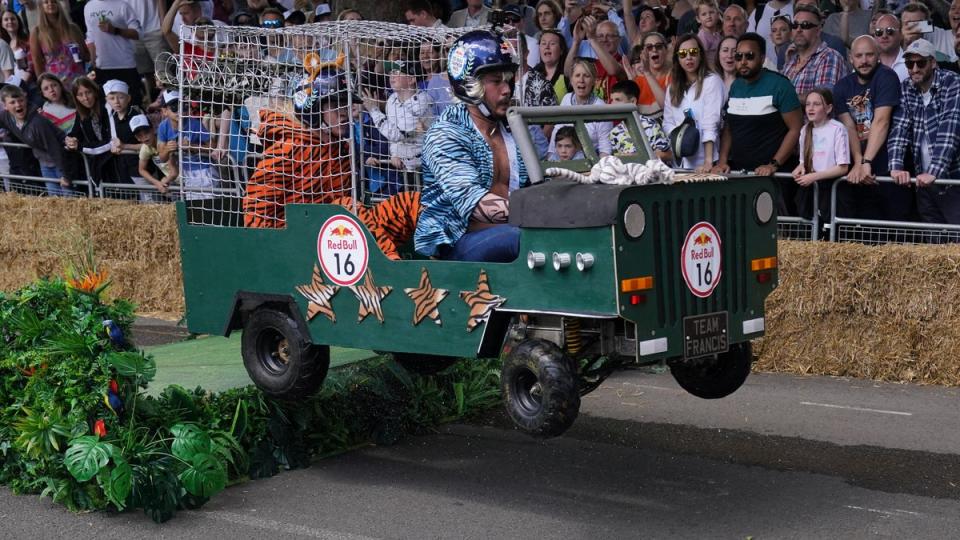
(320,113)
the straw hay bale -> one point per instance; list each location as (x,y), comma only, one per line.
(136,244)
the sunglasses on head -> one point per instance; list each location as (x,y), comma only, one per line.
(804,25)
(785,18)
(919,62)
(878,32)
(741,55)
(655,46)
(692,53)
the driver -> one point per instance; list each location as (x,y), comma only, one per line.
(470,160)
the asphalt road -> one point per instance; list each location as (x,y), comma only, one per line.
(785,457)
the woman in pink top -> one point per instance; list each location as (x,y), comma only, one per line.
(57,45)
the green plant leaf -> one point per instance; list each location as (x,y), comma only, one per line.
(189,441)
(458,393)
(119,483)
(205,477)
(134,365)
(86,456)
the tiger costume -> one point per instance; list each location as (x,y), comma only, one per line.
(297,167)
(391,222)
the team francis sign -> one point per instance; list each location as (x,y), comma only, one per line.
(701,259)
(342,250)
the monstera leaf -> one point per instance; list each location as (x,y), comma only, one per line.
(86,456)
(205,477)
(133,365)
(189,441)
(118,482)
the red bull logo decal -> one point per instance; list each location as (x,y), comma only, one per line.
(701,259)
(342,250)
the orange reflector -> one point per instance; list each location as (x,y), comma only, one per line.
(636,284)
(765,263)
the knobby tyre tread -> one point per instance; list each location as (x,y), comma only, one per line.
(557,374)
(307,364)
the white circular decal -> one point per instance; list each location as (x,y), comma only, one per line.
(700,259)
(458,62)
(342,250)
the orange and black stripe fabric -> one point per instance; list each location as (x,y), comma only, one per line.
(297,167)
(391,222)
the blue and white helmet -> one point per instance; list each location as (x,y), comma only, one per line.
(473,54)
(328,90)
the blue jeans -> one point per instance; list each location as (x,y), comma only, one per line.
(54,189)
(500,243)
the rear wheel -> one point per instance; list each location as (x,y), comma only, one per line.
(541,390)
(279,356)
(424,364)
(715,377)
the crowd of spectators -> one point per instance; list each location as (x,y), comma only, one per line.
(816,89)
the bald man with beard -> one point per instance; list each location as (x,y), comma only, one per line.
(864,101)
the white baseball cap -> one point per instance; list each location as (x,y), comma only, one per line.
(170,95)
(114,85)
(139,122)
(322,9)
(921,47)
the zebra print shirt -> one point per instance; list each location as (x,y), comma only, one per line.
(457,172)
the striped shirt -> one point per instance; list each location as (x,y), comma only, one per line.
(457,173)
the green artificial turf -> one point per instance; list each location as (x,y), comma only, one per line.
(214,362)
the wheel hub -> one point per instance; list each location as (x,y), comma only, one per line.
(529,392)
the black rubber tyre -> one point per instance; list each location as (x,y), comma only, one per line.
(279,357)
(424,364)
(714,378)
(541,390)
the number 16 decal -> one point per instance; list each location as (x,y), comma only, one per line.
(701,259)
(342,250)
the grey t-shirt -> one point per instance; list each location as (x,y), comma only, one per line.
(6,57)
(859,24)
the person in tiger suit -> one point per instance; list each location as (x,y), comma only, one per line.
(470,160)
(306,159)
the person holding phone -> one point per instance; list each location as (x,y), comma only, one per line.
(916,23)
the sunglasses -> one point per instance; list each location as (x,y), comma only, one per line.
(655,46)
(741,55)
(919,62)
(805,25)
(272,23)
(692,53)
(785,18)
(878,32)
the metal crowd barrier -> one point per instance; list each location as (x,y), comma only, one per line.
(874,231)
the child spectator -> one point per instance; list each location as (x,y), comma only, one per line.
(121,136)
(409,114)
(58,106)
(708,15)
(44,139)
(16,35)
(628,93)
(150,161)
(568,145)
(91,131)
(57,45)
(824,153)
(192,140)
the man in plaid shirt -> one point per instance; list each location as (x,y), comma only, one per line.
(811,63)
(928,125)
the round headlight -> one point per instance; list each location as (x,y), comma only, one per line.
(634,220)
(584,261)
(764,207)
(560,261)
(535,259)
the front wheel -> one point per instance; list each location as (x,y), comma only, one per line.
(541,390)
(279,356)
(715,377)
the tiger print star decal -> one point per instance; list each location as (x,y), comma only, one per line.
(481,302)
(318,295)
(370,296)
(426,299)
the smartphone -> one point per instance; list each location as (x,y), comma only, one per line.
(923,27)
